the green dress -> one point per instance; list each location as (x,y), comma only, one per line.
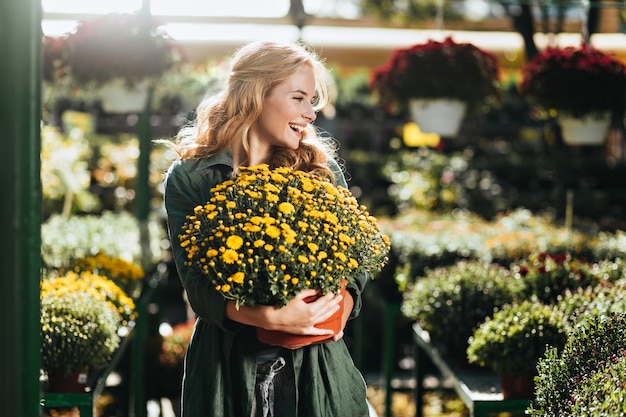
(220,366)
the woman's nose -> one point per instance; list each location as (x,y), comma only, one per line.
(310,113)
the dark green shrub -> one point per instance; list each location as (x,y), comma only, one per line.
(594,343)
(516,337)
(605,393)
(450,302)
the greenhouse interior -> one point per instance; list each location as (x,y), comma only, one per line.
(482,142)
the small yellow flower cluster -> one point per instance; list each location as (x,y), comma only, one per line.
(267,234)
(96,285)
(127,275)
(114,268)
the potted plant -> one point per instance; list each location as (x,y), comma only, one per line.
(459,73)
(126,50)
(451,302)
(78,335)
(265,214)
(582,84)
(512,341)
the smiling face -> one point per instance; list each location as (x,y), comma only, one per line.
(287,110)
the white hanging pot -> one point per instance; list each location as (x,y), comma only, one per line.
(586,130)
(117,97)
(441,116)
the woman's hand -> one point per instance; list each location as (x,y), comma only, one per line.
(347,310)
(298,316)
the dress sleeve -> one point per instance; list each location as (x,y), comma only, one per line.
(358,285)
(183,192)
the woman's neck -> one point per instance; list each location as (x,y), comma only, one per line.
(259,154)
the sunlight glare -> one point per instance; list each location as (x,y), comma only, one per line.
(239,8)
(96,7)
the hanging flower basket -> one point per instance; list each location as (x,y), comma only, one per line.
(130,46)
(441,116)
(437,70)
(584,131)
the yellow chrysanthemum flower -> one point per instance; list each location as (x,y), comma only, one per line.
(230,256)
(238,277)
(286,208)
(234,242)
(273,232)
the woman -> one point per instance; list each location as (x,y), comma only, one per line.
(264,115)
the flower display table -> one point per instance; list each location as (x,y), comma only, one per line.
(478,389)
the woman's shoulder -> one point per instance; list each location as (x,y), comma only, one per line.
(193,166)
(198,174)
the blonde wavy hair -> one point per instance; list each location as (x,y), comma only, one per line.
(225,118)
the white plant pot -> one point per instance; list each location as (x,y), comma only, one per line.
(588,130)
(117,97)
(441,116)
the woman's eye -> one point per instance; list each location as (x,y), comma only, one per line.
(298,98)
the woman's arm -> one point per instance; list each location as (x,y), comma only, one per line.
(297,316)
(185,188)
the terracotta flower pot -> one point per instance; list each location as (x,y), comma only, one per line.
(517,387)
(278,338)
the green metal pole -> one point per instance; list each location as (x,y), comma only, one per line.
(20,207)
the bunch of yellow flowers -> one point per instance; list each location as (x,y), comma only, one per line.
(127,275)
(268,234)
(96,285)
